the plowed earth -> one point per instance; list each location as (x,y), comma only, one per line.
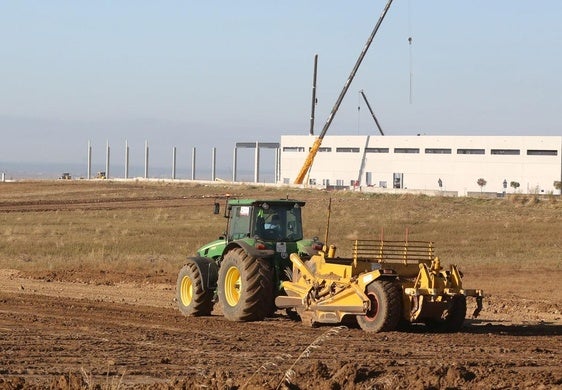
(59,332)
(125,335)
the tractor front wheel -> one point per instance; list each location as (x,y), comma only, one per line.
(386,307)
(245,287)
(193,298)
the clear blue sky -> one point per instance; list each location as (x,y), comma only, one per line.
(210,73)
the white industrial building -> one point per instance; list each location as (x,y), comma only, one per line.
(448,164)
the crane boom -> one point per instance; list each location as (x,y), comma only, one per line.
(371,111)
(313,109)
(314,149)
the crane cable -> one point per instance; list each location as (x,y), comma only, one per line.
(410,40)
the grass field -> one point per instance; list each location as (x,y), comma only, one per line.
(148,228)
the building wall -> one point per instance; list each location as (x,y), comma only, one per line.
(534,162)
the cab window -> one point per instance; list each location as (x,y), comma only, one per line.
(279,224)
(239,226)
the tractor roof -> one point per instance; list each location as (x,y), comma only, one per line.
(271,202)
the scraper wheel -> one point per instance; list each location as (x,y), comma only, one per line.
(386,305)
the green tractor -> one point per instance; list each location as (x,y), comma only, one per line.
(244,269)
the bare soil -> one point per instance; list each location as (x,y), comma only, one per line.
(130,335)
(68,329)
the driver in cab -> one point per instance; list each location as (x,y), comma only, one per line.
(272,227)
(274,224)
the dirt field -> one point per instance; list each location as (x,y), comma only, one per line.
(120,335)
(68,329)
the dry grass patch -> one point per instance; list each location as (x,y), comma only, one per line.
(147,237)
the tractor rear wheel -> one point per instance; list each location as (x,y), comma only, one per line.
(193,298)
(245,287)
(386,307)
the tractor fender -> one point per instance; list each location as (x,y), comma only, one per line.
(249,249)
(367,278)
(209,271)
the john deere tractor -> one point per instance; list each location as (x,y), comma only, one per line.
(244,269)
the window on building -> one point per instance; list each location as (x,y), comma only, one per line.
(510,152)
(347,150)
(470,151)
(325,149)
(437,151)
(535,152)
(312,182)
(293,148)
(325,182)
(406,150)
(376,150)
(339,182)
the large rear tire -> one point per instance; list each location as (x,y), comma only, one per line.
(386,307)
(193,298)
(245,287)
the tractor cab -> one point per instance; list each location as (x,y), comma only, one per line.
(263,227)
(265,220)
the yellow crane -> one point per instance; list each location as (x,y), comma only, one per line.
(314,149)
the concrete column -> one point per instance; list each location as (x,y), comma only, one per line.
(174,163)
(234,164)
(126,160)
(89,170)
(193,160)
(277,176)
(146,159)
(214,164)
(107,161)
(257,164)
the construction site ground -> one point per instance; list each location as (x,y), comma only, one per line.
(129,334)
(84,329)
